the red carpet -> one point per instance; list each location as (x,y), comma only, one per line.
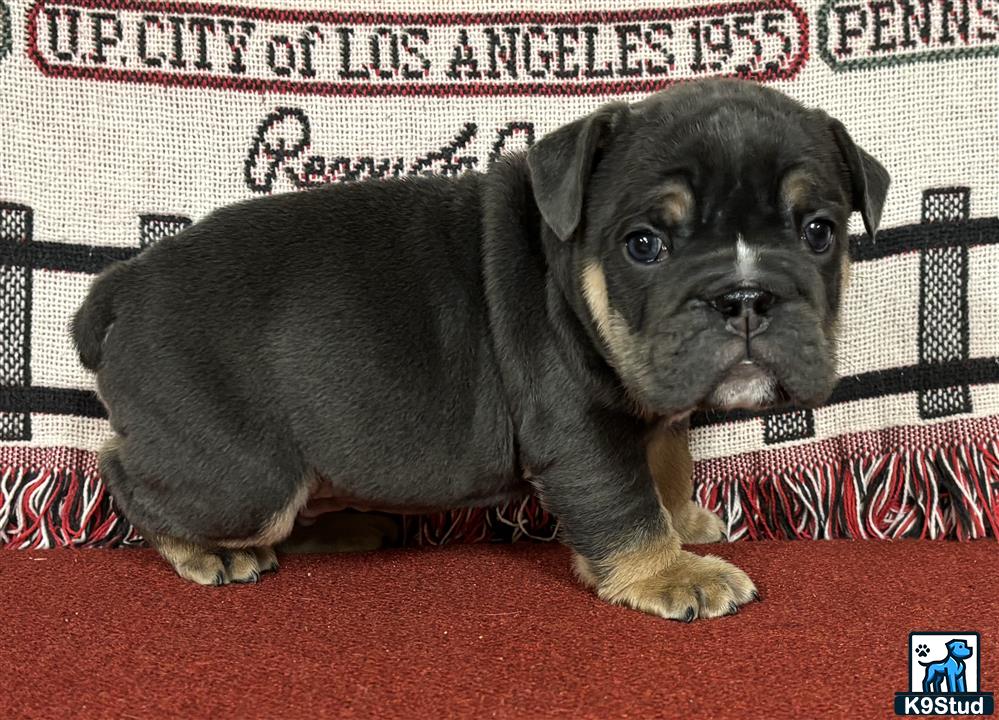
(478,631)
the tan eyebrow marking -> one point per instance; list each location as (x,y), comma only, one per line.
(677,201)
(795,187)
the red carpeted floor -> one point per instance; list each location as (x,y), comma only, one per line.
(477,631)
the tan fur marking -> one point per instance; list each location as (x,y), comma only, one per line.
(845,272)
(699,526)
(282,522)
(672,469)
(266,559)
(657,577)
(687,586)
(583,571)
(694,586)
(650,556)
(626,354)
(612,328)
(794,188)
(597,300)
(242,566)
(834,324)
(192,562)
(208,566)
(678,202)
(632,567)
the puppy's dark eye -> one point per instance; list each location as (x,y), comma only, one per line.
(819,235)
(645,247)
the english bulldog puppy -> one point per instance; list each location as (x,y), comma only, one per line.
(442,342)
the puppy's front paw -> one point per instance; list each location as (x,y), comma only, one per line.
(693,587)
(697,526)
(689,587)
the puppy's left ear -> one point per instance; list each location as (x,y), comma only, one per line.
(561,163)
(868,178)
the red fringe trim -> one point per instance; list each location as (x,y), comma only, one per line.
(943,492)
(947,492)
(60,502)
(521,520)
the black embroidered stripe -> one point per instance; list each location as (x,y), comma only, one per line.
(912,378)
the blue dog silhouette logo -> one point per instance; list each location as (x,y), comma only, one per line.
(944,676)
(947,675)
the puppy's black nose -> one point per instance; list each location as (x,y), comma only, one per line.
(745,310)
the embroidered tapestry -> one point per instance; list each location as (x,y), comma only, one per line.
(123,121)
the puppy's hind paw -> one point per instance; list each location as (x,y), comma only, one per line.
(203,568)
(207,566)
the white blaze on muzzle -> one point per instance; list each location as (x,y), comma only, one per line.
(746,259)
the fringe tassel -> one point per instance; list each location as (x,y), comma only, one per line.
(524,519)
(950,492)
(56,507)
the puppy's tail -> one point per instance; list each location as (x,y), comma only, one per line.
(92,320)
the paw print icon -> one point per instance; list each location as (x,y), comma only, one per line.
(922,650)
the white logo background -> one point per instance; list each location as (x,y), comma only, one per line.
(937,645)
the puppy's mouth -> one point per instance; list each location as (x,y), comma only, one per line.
(747,386)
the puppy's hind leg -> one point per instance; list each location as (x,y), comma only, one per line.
(233,561)
(193,550)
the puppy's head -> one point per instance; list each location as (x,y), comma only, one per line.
(702,237)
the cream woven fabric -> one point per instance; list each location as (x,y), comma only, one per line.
(122,122)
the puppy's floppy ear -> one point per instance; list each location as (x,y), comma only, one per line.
(868,178)
(560,164)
